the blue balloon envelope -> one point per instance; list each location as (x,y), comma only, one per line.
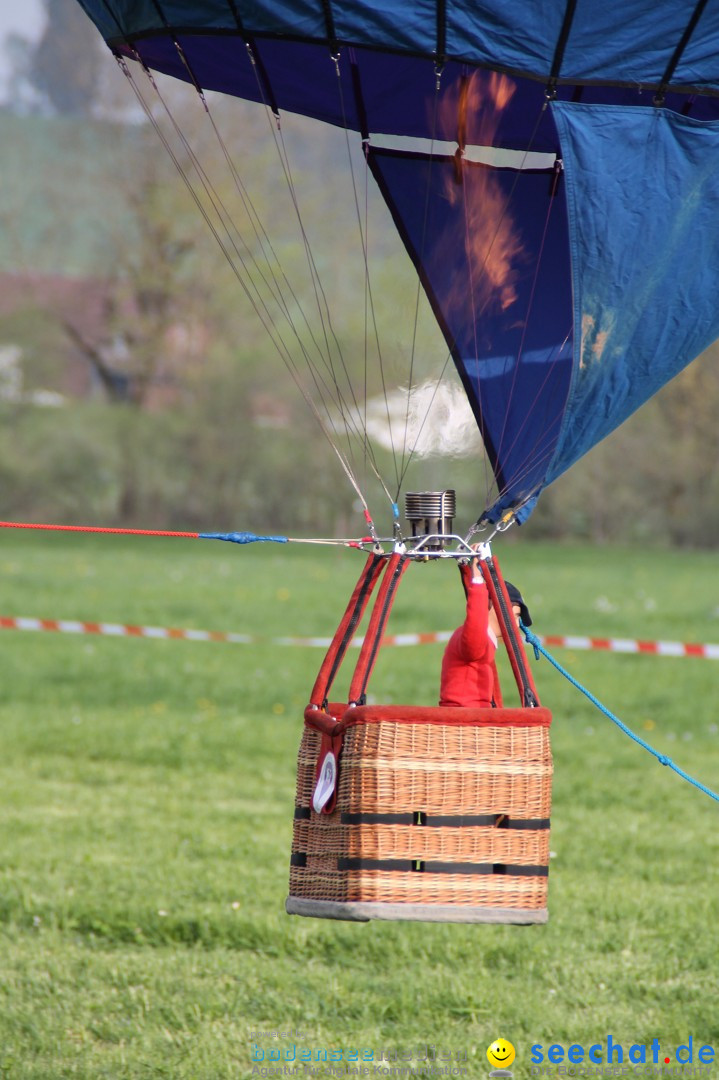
(553,171)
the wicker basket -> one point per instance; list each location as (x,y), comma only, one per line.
(439,814)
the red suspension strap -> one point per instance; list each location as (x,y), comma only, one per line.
(316,715)
(346,629)
(373,638)
(512,641)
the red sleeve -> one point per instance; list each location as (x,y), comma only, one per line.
(497,692)
(474,642)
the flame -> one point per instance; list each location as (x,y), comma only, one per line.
(485,230)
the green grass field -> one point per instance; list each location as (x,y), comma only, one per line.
(147,791)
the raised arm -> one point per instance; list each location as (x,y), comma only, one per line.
(475,643)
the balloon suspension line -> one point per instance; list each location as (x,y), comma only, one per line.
(256,300)
(317,378)
(332,343)
(237,261)
(422,245)
(347,414)
(275,268)
(363,223)
(369,298)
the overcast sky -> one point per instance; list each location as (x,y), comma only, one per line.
(21,16)
(17,17)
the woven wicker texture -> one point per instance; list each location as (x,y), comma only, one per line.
(468,803)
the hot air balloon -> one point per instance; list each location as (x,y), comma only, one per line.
(553,172)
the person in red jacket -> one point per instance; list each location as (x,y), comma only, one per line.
(469,673)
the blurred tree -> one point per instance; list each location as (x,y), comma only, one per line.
(61,73)
(149,289)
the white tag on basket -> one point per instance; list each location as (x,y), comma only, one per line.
(325,782)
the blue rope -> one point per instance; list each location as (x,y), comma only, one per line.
(536,644)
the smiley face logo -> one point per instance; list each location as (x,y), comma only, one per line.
(500,1054)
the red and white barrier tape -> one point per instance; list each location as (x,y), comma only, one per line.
(617,645)
(73,626)
(627,645)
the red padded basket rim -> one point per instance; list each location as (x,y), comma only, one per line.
(427,714)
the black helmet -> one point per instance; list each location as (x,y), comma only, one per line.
(516,598)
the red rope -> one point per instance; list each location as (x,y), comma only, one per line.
(97,529)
